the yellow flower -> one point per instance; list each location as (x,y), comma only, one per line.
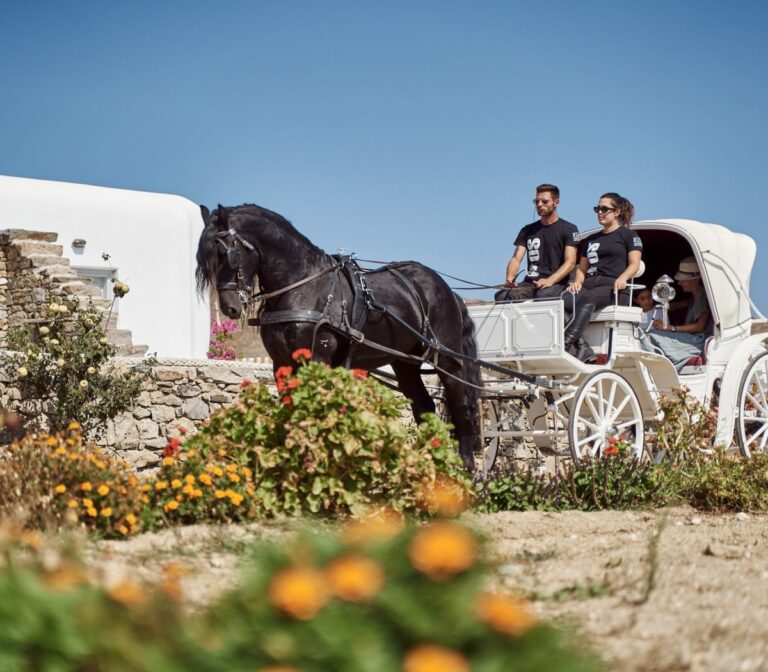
(195,493)
(189,478)
(92,512)
(168,461)
(72,504)
(146,487)
(505,613)
(106,512)
(441,550)
(234,478)
(231,467)
(216,471)
(220,494)
(145,499)
(298,591)
(222,453)
(73,426)
(83,384)
(354,577)
(122,529)
(235,497)
(161,485)
(87,502)
(52,441)
(188,488)
(60,488)
(446,498)
(127,593)
(86,486)
(103,490)
(432,658)
(175,483)
(247,472)
(205,479)
(171,506)
(131,519)
(61,450)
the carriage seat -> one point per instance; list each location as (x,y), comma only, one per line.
(696,363)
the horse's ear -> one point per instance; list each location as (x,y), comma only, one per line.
(206,213)
(222,216)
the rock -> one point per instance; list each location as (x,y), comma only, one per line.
(195,409)
(742,516)
(126,433)
(726,551)
(221,375)
(140,413)
(139,459)
(148,429)
(165,398)
(163,414)
(169,374)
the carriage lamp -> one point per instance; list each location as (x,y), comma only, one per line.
(78,243)
(662,293)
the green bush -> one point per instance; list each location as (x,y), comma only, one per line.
(58,481)
(65,359)
(611,481)
(333,442)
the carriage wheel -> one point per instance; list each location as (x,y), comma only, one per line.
(752,427)
(605,406)
(489,421)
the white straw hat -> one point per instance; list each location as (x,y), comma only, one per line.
(688,269)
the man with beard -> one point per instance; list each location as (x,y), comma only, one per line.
(550,243)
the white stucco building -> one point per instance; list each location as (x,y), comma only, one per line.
(151,239)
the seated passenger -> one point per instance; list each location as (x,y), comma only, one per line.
(608,260)
(651,311)
(550,244)
(681,342)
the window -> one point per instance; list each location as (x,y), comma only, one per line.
(99,277)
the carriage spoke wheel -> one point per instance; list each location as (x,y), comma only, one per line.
(752,425)
(605,406)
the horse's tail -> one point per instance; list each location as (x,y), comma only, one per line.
(470,368)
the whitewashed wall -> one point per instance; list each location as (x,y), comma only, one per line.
(152,239)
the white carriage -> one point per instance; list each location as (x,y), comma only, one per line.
(569,407)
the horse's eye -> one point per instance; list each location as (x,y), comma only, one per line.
(232,258)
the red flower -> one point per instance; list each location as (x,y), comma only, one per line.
(283,372)
(611,450)
(287,400)
(436,443)
(245,383)
(171,448)
(293,383)
(182,430)
(302,354)
(343,409)
(362,374)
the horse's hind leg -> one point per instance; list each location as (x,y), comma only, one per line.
(412,386)
(462,408)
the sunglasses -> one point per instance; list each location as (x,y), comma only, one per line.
(543,201)
(603,209)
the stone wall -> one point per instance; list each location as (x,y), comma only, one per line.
(182,394)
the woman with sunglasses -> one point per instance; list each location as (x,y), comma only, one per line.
(608,260)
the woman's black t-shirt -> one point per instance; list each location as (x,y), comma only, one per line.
(607,254)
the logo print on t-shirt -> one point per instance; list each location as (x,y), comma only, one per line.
(592,257)
(533,249)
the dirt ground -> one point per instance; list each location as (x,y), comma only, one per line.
(662,590)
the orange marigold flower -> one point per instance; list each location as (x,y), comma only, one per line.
(122,529)
(219,494)
(205,479)
(86,486)
(60,488)
(127,593)
(355,578)
(161,485)
(293,383)
(362,374)
(131,519)
(446,497)
(52,441)
(234,478)
(87,502)
(505,613)
(106,512)
(441,550)
(60,451)
(298,591)
(301,354)
(171,506)
(72,504)
(175,483)
(379,526)
(103,490)
(432,658)
(92,512)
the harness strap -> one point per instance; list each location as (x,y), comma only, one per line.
(278,316)
(263,297)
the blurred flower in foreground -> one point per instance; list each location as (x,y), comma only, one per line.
(441,550)
(354,577)
(298,591)
(504,613)
(430,658)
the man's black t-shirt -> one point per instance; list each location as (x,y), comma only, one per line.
(607,254)
(545,245)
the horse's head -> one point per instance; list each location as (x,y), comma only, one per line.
(225,260)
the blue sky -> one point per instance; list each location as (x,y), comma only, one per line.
(400,130)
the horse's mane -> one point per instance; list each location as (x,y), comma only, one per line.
(297,247)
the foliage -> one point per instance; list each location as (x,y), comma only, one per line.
(684,427)
(65,359)
(333,442)
(722,482)
(53,481)
(614,480)
(383,597)
(380,597)
(220,346)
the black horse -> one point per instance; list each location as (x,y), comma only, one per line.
(402,314)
